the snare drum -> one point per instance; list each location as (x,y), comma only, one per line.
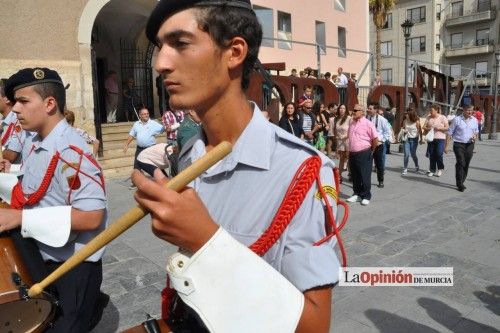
(19,314)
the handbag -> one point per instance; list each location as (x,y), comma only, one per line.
(429,137)
(402,135)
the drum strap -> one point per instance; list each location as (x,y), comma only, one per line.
(307,174)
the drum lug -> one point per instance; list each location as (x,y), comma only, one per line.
(150,325)
(16,279)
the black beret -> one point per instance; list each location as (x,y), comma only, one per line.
(29,77)
(165,8)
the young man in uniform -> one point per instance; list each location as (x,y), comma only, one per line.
(60,199)
(207,50)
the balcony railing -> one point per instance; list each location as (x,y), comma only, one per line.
(479,46)
(484,41)
(482,6)
(483,12)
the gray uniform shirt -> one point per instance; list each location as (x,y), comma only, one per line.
(88,196)
(244,190)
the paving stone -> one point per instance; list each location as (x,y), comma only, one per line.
(374,230)
(138,297)
(365,260)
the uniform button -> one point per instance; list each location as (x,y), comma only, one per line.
(180,264)
(186,283)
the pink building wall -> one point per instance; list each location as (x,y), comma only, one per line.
(303,16)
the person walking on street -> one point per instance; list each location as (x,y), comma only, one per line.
(480,121)
(464,131)
(341,136)
(413,135)
(144,131)
(438,124)
(363,140)
(384,134)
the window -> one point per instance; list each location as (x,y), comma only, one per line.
(438,42)
(456,70)
(482,37)
(339,5)
(417,44)
(342,42)
(265,17)
(481,68)
(321,36)
(456,40)
(438,11)
(285,30)
(388,22)
(457,9)
(386,75)
(483,5)
(386,48)
(416,15)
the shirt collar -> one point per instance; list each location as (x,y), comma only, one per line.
(52,138)
(253,147)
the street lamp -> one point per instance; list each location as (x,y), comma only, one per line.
(493,133)
(406,25)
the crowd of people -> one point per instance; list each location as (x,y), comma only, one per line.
(342,135)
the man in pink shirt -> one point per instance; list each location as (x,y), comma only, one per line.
(363,139)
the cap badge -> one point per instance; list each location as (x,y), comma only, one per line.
(38,74)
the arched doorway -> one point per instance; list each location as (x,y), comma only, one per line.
(111,37)
(119,44)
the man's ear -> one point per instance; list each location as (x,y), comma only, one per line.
(237,52)
(50,105)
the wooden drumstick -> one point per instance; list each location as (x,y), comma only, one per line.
(132,216)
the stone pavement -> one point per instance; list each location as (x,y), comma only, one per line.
(414,221)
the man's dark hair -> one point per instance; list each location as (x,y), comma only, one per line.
(55,90)
(328,74)
(225,23)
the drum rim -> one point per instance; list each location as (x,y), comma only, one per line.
(13,296)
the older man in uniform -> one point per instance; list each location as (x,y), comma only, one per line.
(207,50)
(464,131)
(59,200)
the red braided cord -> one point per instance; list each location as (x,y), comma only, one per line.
(331,220)
(301,183)
(18,200)
(8,132)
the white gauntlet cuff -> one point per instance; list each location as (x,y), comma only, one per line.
(49,225)
(234,290)
(7,183)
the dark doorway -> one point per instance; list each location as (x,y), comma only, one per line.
(136,64)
